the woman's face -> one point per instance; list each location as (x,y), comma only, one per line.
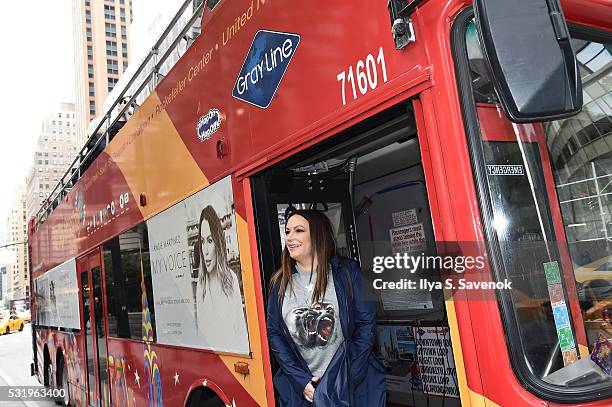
(209,253)
(297,238)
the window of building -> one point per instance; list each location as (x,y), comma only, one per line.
(111,83)
(127,268)
(109,11)
(110,29)
(112,67)
(123,32)
(90,69)
(111,48)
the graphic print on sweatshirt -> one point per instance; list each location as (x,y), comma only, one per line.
(315,325)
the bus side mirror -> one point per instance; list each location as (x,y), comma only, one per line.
(527,46)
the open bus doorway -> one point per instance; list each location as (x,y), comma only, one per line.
(370,183)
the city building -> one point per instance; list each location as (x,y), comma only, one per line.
(55,150)
(101,54)
(17,276)
(150,19)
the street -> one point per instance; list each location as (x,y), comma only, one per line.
(15,359)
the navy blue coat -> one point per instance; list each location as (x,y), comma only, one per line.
(354,377)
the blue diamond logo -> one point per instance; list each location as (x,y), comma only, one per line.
(264,67)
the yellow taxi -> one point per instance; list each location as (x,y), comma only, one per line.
(11,324)
(26,316)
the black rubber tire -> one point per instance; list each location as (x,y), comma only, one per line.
(8,330)
(21,328)
(66,398)
(64,401)
(48,375)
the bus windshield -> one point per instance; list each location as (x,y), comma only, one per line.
(548,187)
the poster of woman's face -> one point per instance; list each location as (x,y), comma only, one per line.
(196,274)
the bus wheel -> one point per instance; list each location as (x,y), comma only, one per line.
(49,375)
(204,397)
(64,389)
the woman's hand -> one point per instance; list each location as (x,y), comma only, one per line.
(309,389)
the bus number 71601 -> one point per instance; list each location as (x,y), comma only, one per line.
(365,75)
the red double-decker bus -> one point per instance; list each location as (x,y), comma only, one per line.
(391,119)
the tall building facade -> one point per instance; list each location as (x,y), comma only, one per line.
(55,150)
(17,276)
(101,54)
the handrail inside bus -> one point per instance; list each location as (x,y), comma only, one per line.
(90,149)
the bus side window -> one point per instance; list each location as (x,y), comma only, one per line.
(126,259)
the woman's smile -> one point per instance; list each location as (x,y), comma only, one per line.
(297,238)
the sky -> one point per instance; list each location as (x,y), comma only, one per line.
(36,74)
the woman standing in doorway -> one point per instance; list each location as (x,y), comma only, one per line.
(220,314)
(320,329)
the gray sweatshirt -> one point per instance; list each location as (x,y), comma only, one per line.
(315,328)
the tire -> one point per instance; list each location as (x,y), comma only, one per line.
(65,400)
(21,328)
(8,330)
(49,375)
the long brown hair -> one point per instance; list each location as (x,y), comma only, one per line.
(216,231)
(323,247)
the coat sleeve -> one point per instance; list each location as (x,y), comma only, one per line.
(286,358)
(364,319)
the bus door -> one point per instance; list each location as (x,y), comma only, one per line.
(89,269)
(369,181)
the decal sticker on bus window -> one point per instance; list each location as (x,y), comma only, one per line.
(505,170)
(196,274)
(560,313)
(404,218)
(408,239)
(208,124)
(551,271)
(436,363)
(265,65)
